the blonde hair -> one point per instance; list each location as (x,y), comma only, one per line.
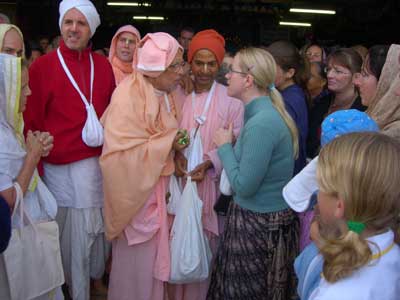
(359,168)
(261,65)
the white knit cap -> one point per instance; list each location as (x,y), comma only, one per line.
(86,7)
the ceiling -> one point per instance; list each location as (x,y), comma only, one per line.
(249,21)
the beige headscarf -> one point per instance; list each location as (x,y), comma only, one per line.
(385,106)
(138,138)
(4,28)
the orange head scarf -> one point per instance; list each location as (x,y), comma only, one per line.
(207,39)
(122,69)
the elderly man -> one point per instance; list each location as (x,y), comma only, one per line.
(205,110)
(123,50)
(11,40)
(70,88)
(141,137)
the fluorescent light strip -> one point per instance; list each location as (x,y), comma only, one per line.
(313,11)
(295,24)
(148,18)
(128,4)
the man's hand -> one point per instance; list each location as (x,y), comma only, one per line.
(199,172)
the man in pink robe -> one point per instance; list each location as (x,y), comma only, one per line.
(209,102)
(140,138)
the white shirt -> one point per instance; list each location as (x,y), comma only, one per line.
(298,191)
(379,280)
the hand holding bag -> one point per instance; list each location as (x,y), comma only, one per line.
(33,258)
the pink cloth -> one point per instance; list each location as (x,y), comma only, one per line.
(127,281)
(156,53)
(223,111)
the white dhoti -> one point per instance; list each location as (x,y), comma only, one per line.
(78,189)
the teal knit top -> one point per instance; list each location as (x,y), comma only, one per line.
(261,162)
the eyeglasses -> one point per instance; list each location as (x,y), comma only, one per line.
(336,71)
(177,66)
(230,70)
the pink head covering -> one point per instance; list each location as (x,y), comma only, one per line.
(156,53)
(122,69)
(126,28)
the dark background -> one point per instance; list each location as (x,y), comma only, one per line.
(244,22)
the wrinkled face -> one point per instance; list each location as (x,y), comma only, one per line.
(126,45)
(339,78)
(75,30)
(316,82)
(185,38)
(25,90)
(12,43)
(367,84)
(236,79)
(314,54)
(170,78)
(204,68)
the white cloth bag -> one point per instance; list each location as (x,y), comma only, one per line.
(190,251)
(33,257)
(92,132)
(176,195)
(224,185)
(194,152)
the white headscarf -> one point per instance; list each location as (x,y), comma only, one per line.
(86,7)
(11,122)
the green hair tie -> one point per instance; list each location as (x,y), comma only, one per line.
(356,227)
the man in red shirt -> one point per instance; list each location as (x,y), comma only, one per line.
(70,88)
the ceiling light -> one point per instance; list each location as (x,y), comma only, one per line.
(295,24)
(313,11)
(148,18)
(155,18)
(128,4)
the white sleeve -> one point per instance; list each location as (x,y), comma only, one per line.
(6,182)
(298,191)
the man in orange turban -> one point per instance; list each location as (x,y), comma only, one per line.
(205,110)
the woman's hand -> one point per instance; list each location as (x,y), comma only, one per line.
(200,171)
(181,140)
(223,136)
(180,164)
(47,141)
(34,146)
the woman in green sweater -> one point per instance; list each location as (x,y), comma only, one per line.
(260,241)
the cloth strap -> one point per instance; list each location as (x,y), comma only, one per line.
(72,80)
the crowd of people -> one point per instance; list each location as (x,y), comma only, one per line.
(95,149)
